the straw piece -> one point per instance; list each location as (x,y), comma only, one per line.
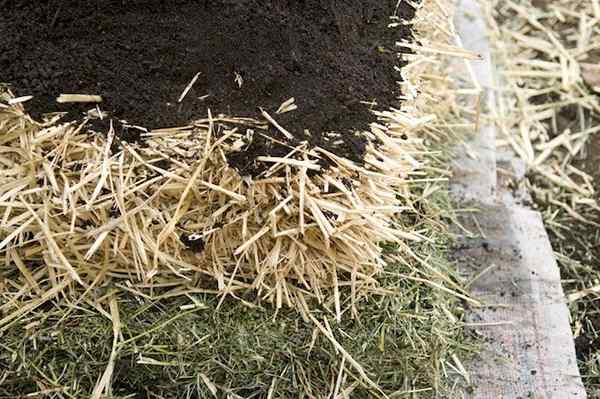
(103,385)
(78,98)
(236,196)
(289,161)
(28,307)
(209,384)
(188,87)
(251,241)
(273,122)
(345,354)
(450,51)
(287,106)
(19,100)
(53,245)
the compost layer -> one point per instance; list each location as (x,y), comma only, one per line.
(330,55)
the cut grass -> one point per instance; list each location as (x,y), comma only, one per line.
(404,340)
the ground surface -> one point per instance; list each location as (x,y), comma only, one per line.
(575,235)
(582,244)
(246,350)
(140,55)
(579,245)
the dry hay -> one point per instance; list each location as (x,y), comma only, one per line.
(547,57)
(170,217)
(69,204)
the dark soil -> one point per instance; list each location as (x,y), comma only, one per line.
(587,343)
(140,55)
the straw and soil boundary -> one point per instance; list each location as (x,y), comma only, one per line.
(332,57)
(318,200)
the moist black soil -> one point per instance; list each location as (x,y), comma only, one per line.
(330,55)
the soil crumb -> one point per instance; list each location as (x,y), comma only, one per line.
(330,55)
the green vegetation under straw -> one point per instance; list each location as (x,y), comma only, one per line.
(188,347)
(402,341)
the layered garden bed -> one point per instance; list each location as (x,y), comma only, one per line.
(236,199)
